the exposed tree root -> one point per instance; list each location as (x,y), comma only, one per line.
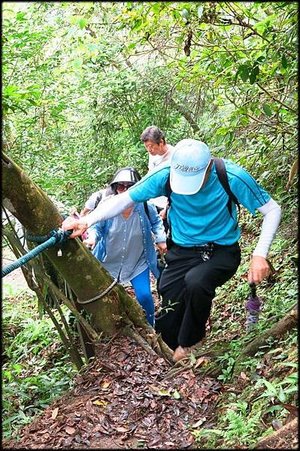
(149,340)
(274,440)
(277,330)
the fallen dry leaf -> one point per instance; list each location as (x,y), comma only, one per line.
(122,429)
(99,402)
(244,376)
(122,405)
(54,413)
(200,361)
(199,422)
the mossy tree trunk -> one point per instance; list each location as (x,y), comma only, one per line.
(115,312)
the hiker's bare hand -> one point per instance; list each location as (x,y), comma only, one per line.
(163,214)
(162,247)
(259,269)
(90,242)
(77,225)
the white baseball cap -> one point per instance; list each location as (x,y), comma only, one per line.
(189,165)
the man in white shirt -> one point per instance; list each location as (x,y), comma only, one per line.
(160,154)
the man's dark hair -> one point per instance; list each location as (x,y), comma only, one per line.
(153,134)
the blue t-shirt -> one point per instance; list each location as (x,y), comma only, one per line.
(204,217)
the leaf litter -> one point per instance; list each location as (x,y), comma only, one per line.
(125,398)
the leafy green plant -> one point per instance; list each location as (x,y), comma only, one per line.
(239,427)
(227,362)
(35,366)
(279,390)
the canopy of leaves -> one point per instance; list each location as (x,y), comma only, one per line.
(81,80)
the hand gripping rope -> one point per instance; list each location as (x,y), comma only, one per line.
(53,238)
(50,240)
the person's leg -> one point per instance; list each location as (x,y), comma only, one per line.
(171,289)
(161,266)
(142,288)
(200,285)
(188,287)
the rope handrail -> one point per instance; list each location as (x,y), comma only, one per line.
(54,237)
(47,241)
(101,295)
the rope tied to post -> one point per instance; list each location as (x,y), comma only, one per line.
(55,237)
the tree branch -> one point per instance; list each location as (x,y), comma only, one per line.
(275,99)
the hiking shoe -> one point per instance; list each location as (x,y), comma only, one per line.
(180,353)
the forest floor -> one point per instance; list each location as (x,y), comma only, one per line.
(128,399)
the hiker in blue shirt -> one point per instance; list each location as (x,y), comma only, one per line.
(204,251)
(124,243)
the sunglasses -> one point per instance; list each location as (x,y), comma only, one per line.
(124,186)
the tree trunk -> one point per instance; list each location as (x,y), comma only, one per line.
(278,440)
(116,310)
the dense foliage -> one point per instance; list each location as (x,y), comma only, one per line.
(35,366)
(81,80)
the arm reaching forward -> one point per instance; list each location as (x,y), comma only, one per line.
(107,209)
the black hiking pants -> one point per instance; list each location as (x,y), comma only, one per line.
(187,287)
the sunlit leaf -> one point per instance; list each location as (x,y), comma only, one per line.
(163,392)
(100,402)
(176,394)
(82,22)
(77,63)
(185,14)
(200,11)
(20,15)
(267,109)
(284,62)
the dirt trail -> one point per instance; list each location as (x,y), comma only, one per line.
(126,398)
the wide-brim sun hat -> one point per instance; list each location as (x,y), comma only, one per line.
(189,165)
(127,174)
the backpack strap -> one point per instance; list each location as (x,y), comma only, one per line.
(147,210)
(223,178)
(222,175)
(98,199)
(169,190)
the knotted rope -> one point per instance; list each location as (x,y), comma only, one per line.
(50,240)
